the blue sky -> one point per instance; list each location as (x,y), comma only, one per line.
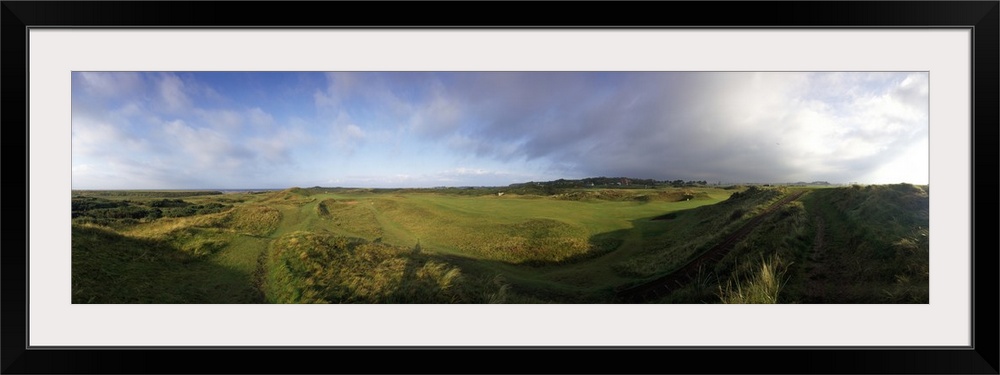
(194,130)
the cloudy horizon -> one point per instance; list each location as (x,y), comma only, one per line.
(232,130)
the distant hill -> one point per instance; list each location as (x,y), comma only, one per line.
(608,182)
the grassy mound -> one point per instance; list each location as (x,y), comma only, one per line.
(750,272)
(466,228)
(292,196)
(350,217)
(252,220)
(876,245)
(199,242)
(533,241)
(843,245)
(308,267)
(686,234)
(108,267)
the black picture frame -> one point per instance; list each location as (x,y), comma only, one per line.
(981,17)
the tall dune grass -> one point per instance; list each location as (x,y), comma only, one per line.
(308,267)
(763,286)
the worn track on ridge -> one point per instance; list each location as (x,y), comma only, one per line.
(665,285)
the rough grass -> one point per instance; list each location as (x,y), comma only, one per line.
(293,196)
(206,251)
(165,227)
(690,233)
(350,217)
(307,267)
(872,248)
(762,286)
(784,235)
(200,242)
(252,220)
(876,248)
(530,241)
(108,267)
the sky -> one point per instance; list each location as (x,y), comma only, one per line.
(235,130)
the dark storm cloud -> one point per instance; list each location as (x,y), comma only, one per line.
(714,126)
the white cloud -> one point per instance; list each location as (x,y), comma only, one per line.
(353,132)
(110,84)
(470,171)
(222,119)
(347,137)
(271,151)
(172,93)
(96,138)
(338,86)
(911,166)
(438,115)
(208,148)
(259,118)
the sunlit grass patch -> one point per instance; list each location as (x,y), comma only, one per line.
(306,267)
(351,216)
(164,227)
(293,196)
(252,220)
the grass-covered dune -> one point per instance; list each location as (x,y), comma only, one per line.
(580,245)
(309,267)
(874,246)
(837,245)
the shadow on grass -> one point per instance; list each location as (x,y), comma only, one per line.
(109,268)
(602,246)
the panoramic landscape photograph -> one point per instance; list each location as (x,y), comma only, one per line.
(493,187)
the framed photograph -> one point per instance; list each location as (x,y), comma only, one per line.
(496,187)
